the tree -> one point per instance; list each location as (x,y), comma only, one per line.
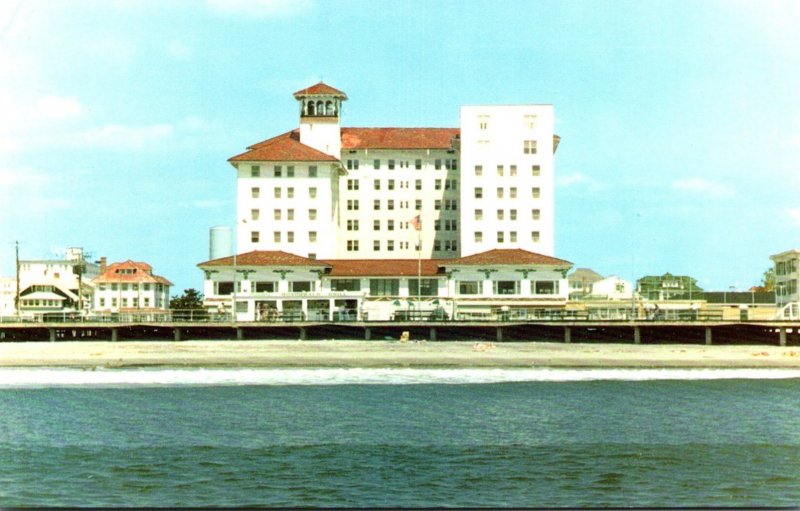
(768,280)
(192,299)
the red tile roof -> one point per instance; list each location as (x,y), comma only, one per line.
(398,138)
(286,147)
(507,256)
(265,258)
(381,267)
(320,89)
(130,271)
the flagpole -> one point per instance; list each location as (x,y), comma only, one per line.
(419,271)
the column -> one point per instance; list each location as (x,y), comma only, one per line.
(499,334)
(782,335)
(708,335)
(567,334)
(637,335)
(433,334)
(239,334)
(52,332)
(367,333)
(177,334)
(302,333)
(114,334)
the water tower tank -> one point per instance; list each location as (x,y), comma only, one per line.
(220,242)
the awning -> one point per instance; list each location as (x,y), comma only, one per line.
(42,295)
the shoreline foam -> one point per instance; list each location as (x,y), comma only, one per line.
(376,354)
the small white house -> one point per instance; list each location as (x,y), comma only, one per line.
(130,286)
(611,288)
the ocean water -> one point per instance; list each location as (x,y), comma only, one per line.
(399,438)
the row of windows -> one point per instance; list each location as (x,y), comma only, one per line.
(135,286)
(512,214)
(101,302)
(255,192)
(536,170)
(280,171)
(449,184)
(438,245)
(512,236)
(507,287)
(277,236)
(391,164)
(295,286)
(529,121)
(528,146)
(39,303)
(786,267)
(536,192)
(449,204)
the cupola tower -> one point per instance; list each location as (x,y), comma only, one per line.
(320,108)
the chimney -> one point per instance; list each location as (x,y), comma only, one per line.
(103,262)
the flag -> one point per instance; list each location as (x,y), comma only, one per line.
(417,223)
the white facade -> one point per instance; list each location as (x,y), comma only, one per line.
(787,279)
(325,191)
(129,287)
(507,178)
(53,285)
(612,288)
(8,295)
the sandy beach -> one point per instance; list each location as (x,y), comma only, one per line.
(389,354)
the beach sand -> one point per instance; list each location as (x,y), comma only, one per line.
(390,354)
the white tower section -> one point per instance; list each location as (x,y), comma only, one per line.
(320,109)
(507,184)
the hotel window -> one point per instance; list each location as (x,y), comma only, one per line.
(276,236)
(384,287)
(254,214)
(255,192)
(113,287)
(451,164)
(418,204)
(390,184)
(437,245)
(265,286)
(478,214)
(376,225)
(352,184)
(147,301)
(500,170)
(277,170)
(500,214)
(546,287)
(312,171)
(254,236)
(478,170)
(529,120)
(478,237)
(437,185)
(146,287)
(312,192)
(301,286)
(255,171)
(512,192)
(290,192)
(312,236)
(512,236)
(418,164)
(535,214)
(451,184)
(506,287)
(376,164)
(312,214)
(290,214)
(376,245)
(352,164)
(469,287)
(451,205)
(437,204)
(437,164)
(535,236)
(345,284)
(123,287)
(512,214)
(418,184)
(124,302)
(376,184)
(352,225)
(478,193)
(451,245)
(376,204)
(499,193)
(500,237)
(391,164)
(277,214)
(423,287)
(512,170)
(390,225)
(536,170)
(277,193)
(529,146)
(536,192)
(451,225)
(114,301)
(390,204)
(352,204)
(290,171)
(437,225)
(352,245)
(102,302)
(390,245)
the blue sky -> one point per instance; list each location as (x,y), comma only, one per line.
(680,120)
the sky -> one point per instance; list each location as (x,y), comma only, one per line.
(679,120)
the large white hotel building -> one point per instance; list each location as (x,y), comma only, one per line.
(327,191)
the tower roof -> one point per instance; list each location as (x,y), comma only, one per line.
(286,147)
(320,89)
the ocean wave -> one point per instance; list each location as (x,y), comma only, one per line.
(102,377)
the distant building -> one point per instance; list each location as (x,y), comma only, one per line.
(581,281)
(324,191)
(8,295)
(611,288)
(669,287)
(130,286)
(787,283)
(56,286)
(267,285)
(741,305)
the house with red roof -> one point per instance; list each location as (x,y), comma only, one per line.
(326,191)
(280,286)
(130,287)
